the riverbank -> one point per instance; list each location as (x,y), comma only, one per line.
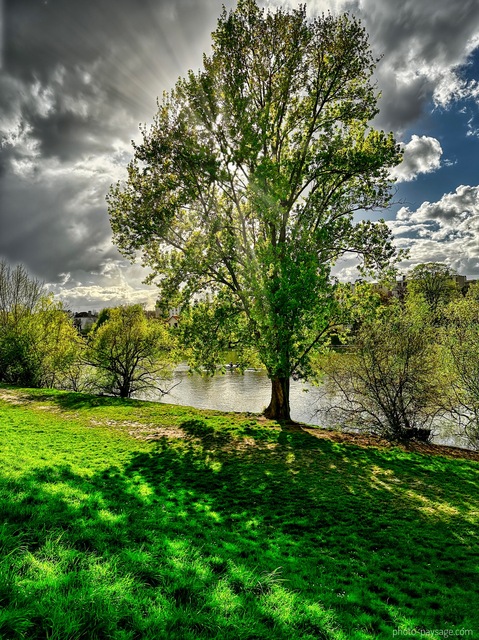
(251,391)
(127,519)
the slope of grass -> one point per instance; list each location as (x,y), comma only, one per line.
(132,520)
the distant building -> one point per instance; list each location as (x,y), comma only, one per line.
(462,282)
(174,316)
(400,288)
(83,320)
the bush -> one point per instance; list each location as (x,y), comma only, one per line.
(129,352)
(389,381)
(39,346)
(461,341)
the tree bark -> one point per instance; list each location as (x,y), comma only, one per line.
(125,389)
(278,408)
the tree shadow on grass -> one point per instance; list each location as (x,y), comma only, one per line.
(148,526)
(198,539)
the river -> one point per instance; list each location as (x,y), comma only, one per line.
(251,391)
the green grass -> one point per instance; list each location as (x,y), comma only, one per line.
(133,520)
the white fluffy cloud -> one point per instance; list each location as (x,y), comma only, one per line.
(114,283)
(422,154)
(443,231)
(458,210)
(424,45)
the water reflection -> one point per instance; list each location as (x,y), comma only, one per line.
(233,391)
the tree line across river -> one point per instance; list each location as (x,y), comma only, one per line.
(393,366)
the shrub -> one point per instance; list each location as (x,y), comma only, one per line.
(389,381)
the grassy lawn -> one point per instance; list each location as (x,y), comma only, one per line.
(134,520)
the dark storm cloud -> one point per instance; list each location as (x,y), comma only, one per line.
(55,227)
(78,76)
(433,30)
(77,79)
(42,33)
(102,55)
(422,44)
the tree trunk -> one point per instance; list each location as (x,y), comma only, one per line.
(125,389)
(278,408)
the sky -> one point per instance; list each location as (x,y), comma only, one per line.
(78,78)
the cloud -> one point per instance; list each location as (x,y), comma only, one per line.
(460,259)
(459,210)
(423,47)
(54,213)
(114,284)
(422,154)
(77,78)
(442,231)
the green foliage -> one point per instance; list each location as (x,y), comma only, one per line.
(222,527)
(434,281)
(390,382)
(473,291)
(56,346)
(39,346)
(460,337)
(103,316)
(247,183)
(359,302)
(210,329)
(130,352)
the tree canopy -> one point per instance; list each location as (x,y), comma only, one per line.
(435,282)
(38,342)
(130,352)
(247,183)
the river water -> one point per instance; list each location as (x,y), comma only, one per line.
(233,391)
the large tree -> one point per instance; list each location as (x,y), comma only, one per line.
(247,183)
